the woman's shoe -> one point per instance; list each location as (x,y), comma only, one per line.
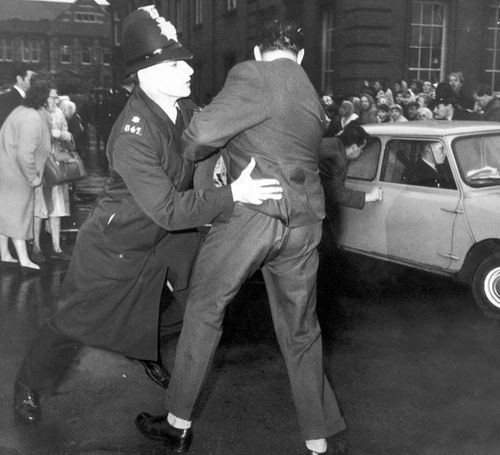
(61,256)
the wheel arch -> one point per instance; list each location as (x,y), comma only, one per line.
(475,255)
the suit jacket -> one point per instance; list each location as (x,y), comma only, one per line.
(492,111)
(333,171)
(138,232)
(268,110)
(8,102)
(421,174)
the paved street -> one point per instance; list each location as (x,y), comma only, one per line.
(415,365)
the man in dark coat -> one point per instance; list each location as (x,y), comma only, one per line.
(267,108)
(14,96)
(140,233)
(488,102)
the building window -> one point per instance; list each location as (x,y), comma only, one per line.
(492,69)
(178,15)
(30,51)
(88,17)
(6,50)
(198,12)
(106,56)
(231,4)
(327,61)
(427,42)
(86,54)
(65,53)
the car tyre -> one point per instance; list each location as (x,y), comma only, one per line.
(486,286)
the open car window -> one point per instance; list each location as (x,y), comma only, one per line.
(478,159)
(412,162)
(365,167)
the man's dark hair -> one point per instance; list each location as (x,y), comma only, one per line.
(383,107)
(483,89)
(281,35)
(20,69)
(353,134)
(40,86)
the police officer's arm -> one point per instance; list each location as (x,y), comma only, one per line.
(241,104)
(138,163)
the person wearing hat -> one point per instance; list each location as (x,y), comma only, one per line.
(267,108)
(488,102)
(446,105)
(140,233)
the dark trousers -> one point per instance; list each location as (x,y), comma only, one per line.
(52,352)
(231,253)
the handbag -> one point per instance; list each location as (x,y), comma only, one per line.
(63,166)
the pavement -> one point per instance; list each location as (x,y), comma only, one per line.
(414,364)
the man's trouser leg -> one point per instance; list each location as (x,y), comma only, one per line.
(48,358)
(231,253)
(291,285)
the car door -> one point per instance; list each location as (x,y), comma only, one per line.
(413,224)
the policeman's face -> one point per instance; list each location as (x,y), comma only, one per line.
(438,152)
(441,111)
(171,78)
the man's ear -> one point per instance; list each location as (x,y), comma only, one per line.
(257,53)
(300,56)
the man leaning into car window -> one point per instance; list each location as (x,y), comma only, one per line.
(431,168)
(335,154)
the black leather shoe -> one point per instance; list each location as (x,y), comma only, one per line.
(158,428)
(156,372)
(26,404)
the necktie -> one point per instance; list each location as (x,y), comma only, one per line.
(179,122)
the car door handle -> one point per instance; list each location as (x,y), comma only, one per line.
(449,256)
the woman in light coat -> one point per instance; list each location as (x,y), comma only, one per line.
(24,148)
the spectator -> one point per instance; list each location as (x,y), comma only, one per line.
(412,111)
(368,112)
(383,93)
(332,117)
(14,97)
(383,113)
(52,203)
(424,113)
(346,112)
(428,89)
(489,103)
(458,84)
(24,148)
(425,100)
(446,105)
(74,122)
(396,114)
(416,87)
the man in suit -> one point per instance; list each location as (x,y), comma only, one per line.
(14,97)
(142,231)
(431,168)
(488,102)
(269,109)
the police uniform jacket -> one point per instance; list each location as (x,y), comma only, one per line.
(139,231)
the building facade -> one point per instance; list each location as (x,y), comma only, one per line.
(347,41)
(72,41)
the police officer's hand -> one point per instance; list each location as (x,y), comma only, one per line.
(254,191)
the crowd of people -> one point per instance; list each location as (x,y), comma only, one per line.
(286,151)
(453,99)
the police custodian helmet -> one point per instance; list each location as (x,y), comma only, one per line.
(148,39)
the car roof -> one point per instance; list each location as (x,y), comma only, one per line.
(431,128)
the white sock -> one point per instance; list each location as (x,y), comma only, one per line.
(316,445)
(178,423)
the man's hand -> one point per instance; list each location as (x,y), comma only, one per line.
(36,182)
(254,191)
(375,195)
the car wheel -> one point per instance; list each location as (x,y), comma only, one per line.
(486,286)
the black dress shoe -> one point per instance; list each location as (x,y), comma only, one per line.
(26,404)
(158,428)
(156,372)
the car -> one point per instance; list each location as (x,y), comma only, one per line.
(449,227)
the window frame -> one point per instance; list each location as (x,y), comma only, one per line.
(7,47)
(69,53)
(421,71)
(328,50)
(493,73)
(30,47)
(86,47)
(231,5)
(198,12)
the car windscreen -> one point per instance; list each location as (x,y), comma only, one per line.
(478,159)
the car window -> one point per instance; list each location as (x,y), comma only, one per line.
(478,159)
(419,163)
(365,167)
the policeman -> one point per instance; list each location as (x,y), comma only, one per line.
(140,233)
